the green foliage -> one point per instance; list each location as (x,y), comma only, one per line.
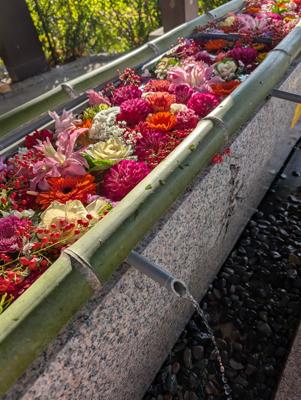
(207,5)
(72,28)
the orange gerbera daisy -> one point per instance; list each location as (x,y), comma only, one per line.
(223,89)
(216,44)
(67,188)
(161,101)
(162,121)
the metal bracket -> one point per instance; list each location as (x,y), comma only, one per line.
(84,268)
(154,48)
(219,122)
(281,94)
(69,90)
(209,14)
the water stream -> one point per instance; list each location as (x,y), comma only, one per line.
(227,390)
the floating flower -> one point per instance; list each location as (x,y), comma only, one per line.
(133,111)
(123,177)
(67,188)
(155,85)
(64,121)
(186,119)
(160,101)
(163,66)
(87,124)
(153,147)
(161,121)
(216,45)
(227,23)
(176,107)
(38,136)
(96,99)
(261,57)
(103,155)
(90,112)
(203,103)
(62,161)
(195,74)
(226,68)
(247,55)
(223,89)
(182,91)
(11,239)
(150,144)
(124,93)
(205,57)
(105,125)
(253,25)
(71,220)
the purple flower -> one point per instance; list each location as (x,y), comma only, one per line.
(10,238)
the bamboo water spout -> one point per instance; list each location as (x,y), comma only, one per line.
(158,274)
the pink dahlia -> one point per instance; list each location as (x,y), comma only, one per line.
(10,236)
(123,177)
(150,143)
(183,92)
(186,119)
(247,55)
(133,111)
(203,103)
(124,93)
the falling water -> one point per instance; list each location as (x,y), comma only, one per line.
(227,390)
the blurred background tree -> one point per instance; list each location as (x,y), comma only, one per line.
(69,29)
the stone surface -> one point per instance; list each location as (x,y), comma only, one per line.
(290,384)
(118,341)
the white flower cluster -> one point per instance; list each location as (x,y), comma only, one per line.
(105,126)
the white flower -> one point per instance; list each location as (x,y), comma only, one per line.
(105,125)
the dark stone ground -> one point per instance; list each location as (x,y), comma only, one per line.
(253,306)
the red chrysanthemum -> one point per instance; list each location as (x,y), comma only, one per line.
(160,101)
(182,91)
(186,119)
(124,93)
(246,55)
(133,111)
(150,144)
(67,188)
(203,103)
(123,177)
(161,121)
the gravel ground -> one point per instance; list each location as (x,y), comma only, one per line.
(253,306)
